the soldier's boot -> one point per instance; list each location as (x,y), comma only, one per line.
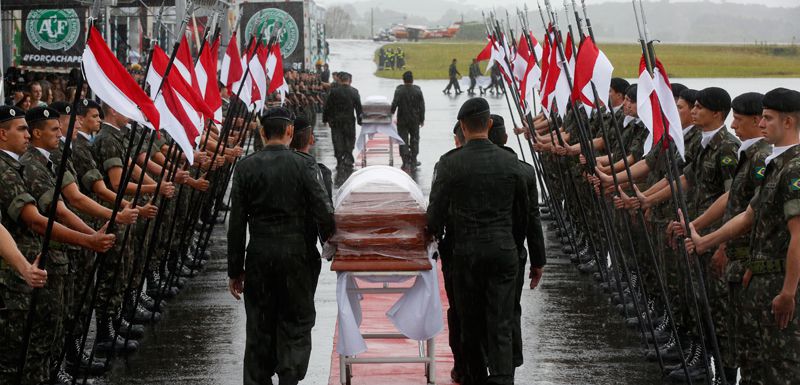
(61,377)
(77,361)
(106,340)
(138,315)
(146,301)
(588,267)
(688,352)
(127,329)
(696,368)
(157,287)
(668,351)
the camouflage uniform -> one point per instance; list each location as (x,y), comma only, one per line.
(749,174)
(771,355)
(15,292)
(108,150)
(40,178)
(87,175)
(710,175)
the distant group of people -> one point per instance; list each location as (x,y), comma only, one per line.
(391,58)
(496,87)
(28,89)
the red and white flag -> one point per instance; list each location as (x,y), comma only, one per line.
(519,64)
(529,84)
(206,70)
(499,58)
(486,52)
(275,71)
(109,80)
(656,107)
(257,67)
(232,69)
(181,107)
(591,67)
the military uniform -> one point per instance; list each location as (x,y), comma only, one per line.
(771,355)
(274,191)
(474,72)
(410,106)
(481,191)
(15,292)
(748,176)
(453,74)
(339,107)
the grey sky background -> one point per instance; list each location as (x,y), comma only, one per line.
(489,4)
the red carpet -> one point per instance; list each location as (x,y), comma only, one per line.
(374,307)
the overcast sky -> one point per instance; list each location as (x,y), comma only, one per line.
(487,4)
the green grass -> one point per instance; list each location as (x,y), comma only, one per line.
(430,60)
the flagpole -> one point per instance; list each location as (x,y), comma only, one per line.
(680,201)
(625,219)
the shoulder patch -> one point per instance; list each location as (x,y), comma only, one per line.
(760,171)
(795,184)
(727,160)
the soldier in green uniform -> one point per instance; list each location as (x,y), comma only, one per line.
(109,149)
(21,216)
(772,269)
(474,72)
(409,104)
(727,261)
(533,235)
(481,190)
(343,101)
(12,257)
(302,141)
(705,179)
(274,191)
(453,75)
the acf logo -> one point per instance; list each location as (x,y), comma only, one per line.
(52,29)
(265,21)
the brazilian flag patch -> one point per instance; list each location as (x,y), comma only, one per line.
(727,161)
(795,185)
(760,170)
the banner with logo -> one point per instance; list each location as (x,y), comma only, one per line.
(262,18)
(53,37)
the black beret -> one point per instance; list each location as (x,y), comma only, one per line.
(690,96)
(408,76)
(497,133)
(345,76)
(631,92)
(782,100)
(62,107)
(301,124)
(748,103)
(10,112)
(715,99)
(473,107)
(36,114)
(619,85)
(457,128)
(278,113)
(677,88)
(89,103)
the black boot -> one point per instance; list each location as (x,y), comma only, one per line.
(61,377)
(696,368)
(105,341)
(146,302)
(77,361)
(129,330)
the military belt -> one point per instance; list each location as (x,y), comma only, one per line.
(766,266)
(738,253)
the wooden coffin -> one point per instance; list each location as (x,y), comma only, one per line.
(380,231)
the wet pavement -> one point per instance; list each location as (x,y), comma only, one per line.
(572,335)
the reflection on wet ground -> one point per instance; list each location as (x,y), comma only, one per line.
(572,334)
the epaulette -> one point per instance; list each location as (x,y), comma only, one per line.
(446,154)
